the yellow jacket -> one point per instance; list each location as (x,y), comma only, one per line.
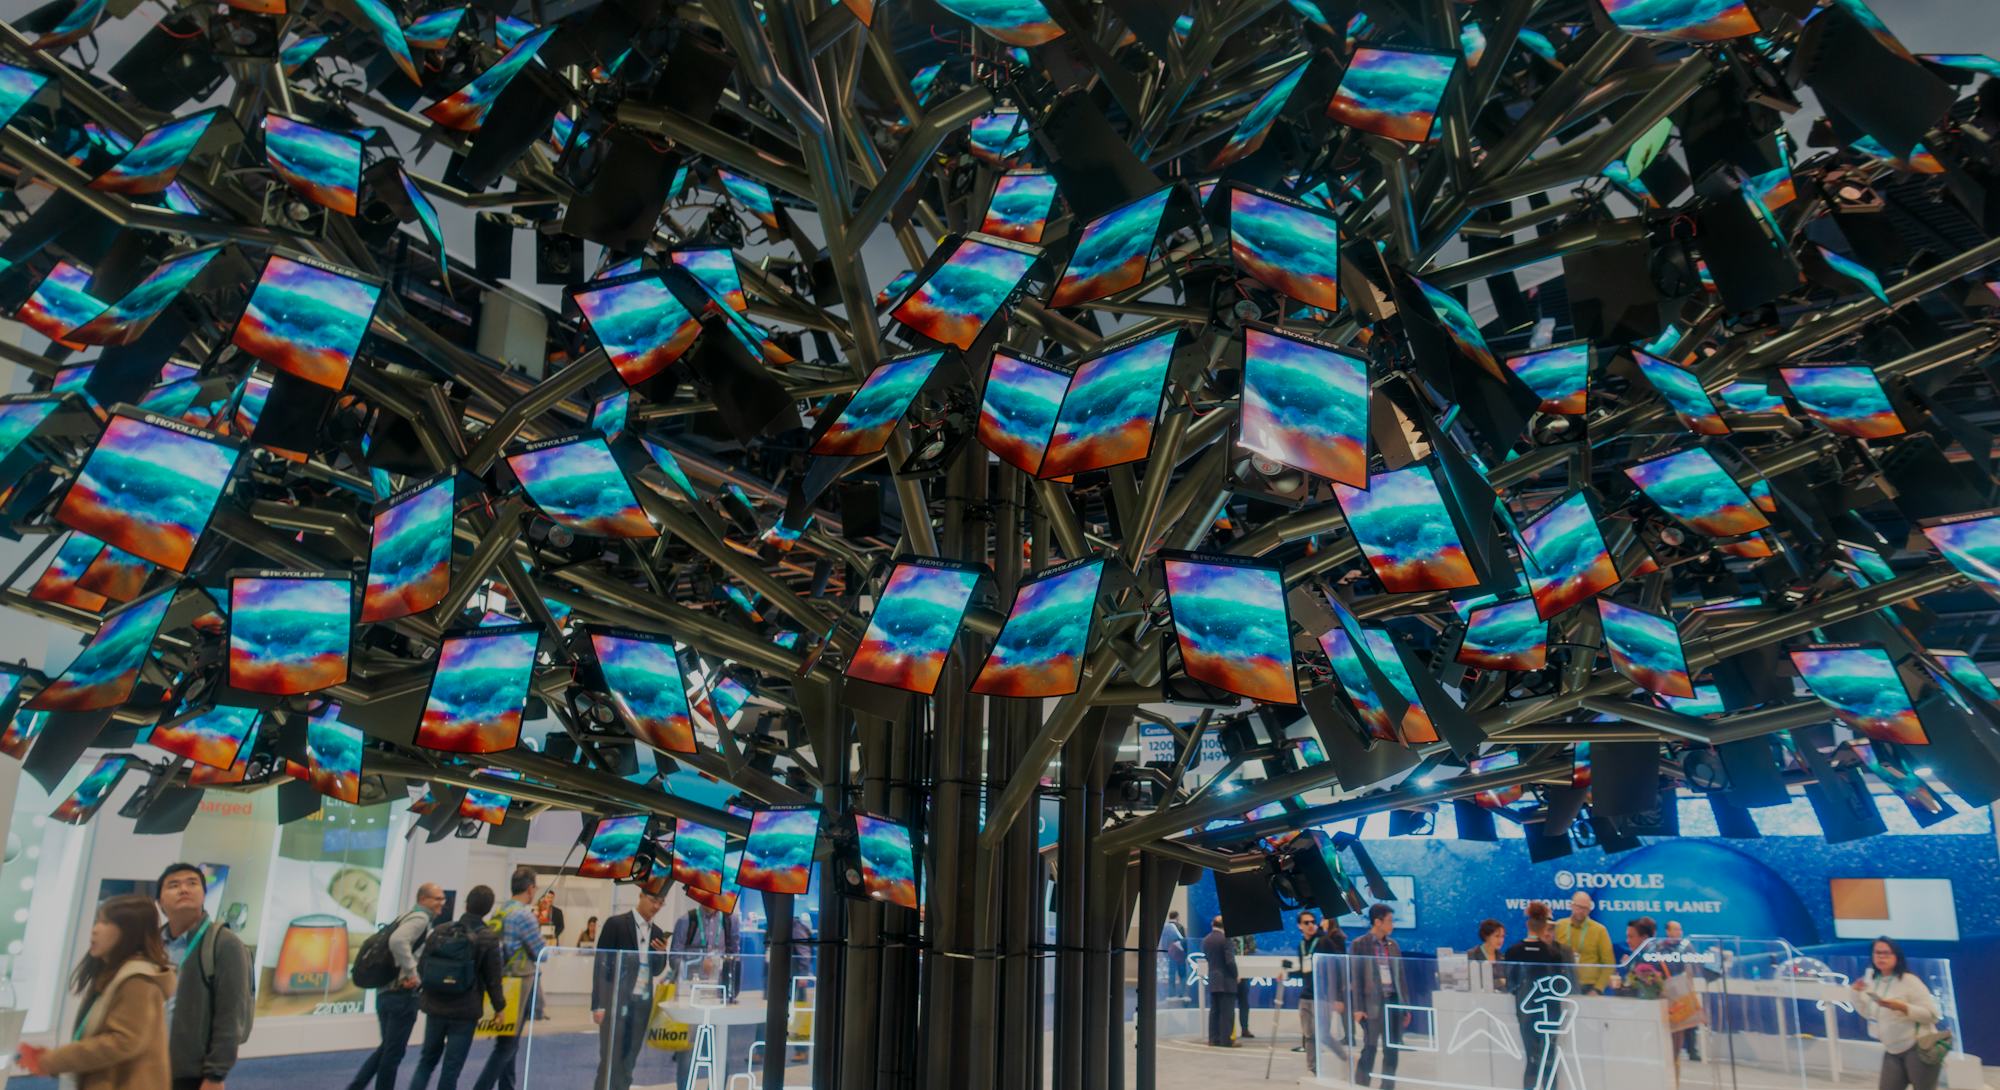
(1592,945)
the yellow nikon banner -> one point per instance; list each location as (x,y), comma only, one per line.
(505,1022)
(662,1032)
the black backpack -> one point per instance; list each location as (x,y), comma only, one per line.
(375,965)
(450,962)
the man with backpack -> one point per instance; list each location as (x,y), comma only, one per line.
(396,996)
(460,964)
(521,948)
(209,1014)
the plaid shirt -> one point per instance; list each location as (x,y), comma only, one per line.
(520,939)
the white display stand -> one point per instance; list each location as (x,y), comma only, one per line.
(1616,1043)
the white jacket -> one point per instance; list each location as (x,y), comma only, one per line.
(1896,1030)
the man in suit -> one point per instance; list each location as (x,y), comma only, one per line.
(631,952)
(1221,955)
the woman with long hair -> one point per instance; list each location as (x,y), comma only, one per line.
(1898,1007)
(120,1038)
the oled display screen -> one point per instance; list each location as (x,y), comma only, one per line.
(1560,376)
(1693,487)
(149,166)
(288,631)
(1285,246)
(1646,649)
(715,270)
(22,731)
(698,855)
(752,195)
(1112,252)
(1255,125)
(614,847)
(390,31)
(1020,206)
(426,216)
(1849,400)
(1305,405)
(1039,652)
(17,87)
(115,574)
(1751,397)
(643,676)
(777,855)
(1505,636)
(609,416)
(998,138)
(865,423)
(914,625)
(1966,672)
(1864,690)
(479,689)
(1109,411)
(1353,678)
(333,756)
(1392,92)
(888,865)
(1566,558)
(409,555)
(128,319)
(1018,410)
(1017,22)
(58,581)
(954,304)
(1972,543)
(61,303)
(149,487)
(435,30)
(1460,327)
(1682,20)
(91,794)
(670,467)
(1232,625)
(307,320)
(1683,393)
(465,109)
(1855,271)
(1964,62)
(322,165)
(1406,533)
(486,804)
(642,327)
(20,417)
(577,483)
(213,736)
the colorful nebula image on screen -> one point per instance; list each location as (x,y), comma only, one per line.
(1020,207)
(670,467)
(609,415)
(435,30)
(150,165)
(1255,126)
(465,109)
(1112,252)
(1019,408)
(149,489)
(479,690)
(643,676)
(1406,532)
(1972,544)
(1966,672)
(1040,649)
(1460,327)
(998,138)
(1873,23)
(1855,271)
(778,853)
(698,855)
(1392,92)
(1416,727)
(1683,393)
(115,574)
(752,195)
(19,419)
(322,165)
(1353,677)
(1968,62)
(17,86)
(1560,376)
(578,484)
(1751,397)
(714,269)
(296,55)
(614,847)
(642,327)
(92,792)
(1693,487)
(60,303)
(1016,22)
(964,293)
(1232,626)
(80,21)
(486,804)
(333,756)
(865,424)
(1505,636)
(427,217)
(1864,690)
(914,624)
(103,673)
(307,321)
(1707,700)
(57,582)
(1567,561)
(23,728)
(1108,414)
(1305,405)
(888,866)
(1646,649)
(127,320)
(288,634)
(1289,248)
(213,737)
(409,556)
(390,31)
(1849,400)
(1682,20)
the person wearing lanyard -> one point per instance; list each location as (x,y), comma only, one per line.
(1898,1006)
(1381,987)
(631,951)
(207,1014)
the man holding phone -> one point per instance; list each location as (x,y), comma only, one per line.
(631,952)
